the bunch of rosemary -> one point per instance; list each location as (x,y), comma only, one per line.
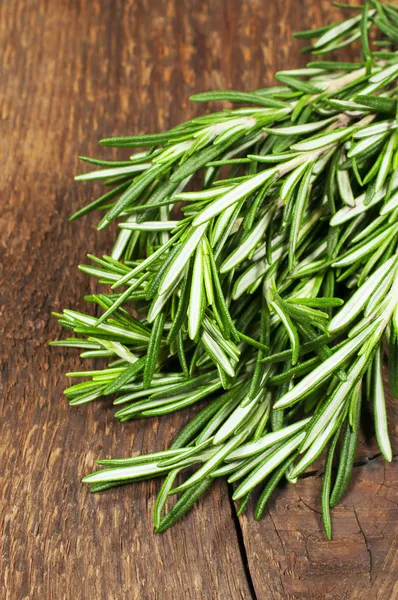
(272,294)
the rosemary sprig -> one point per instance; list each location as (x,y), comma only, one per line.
(271,293)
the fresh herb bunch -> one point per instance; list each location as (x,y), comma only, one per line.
(272,293)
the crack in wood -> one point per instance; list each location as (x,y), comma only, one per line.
(241,544)
(282,546)
(359,463)
(245,551)
(367,545)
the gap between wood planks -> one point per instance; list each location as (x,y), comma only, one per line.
(241,544)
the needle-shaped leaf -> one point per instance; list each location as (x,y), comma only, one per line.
(211,464)
(334,403)
(344,185)
(361,149)
(363,250)
(118,349)
(127,375)
(196,162)
(336,31)
(290,329)
(326,487)
(358,300)
(384,73)
(318,445)
(132,193)
(270,463)
(379,405)
(237,193)
(271,485)
(235,419)
(379,294)
(348,213)
(104,173)
(196,305)
(246,466)
(320,374)
(292,180)
(180,314)
(300,129)
(376,129)
(347,457)
(162,497)
(393,363)
(391,204)
(323,140)
(183,504)
(267,440)
(124,473)
(122,298)
(151,139)
(217,354)
(153,349)
(150,226)
(378,103)
(385,162)
(232,96)
(185,252)
(298,214)
(247,245)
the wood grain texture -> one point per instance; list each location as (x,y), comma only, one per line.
(73,72)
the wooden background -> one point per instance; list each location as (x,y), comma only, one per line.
(73,72)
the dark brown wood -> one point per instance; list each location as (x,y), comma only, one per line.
(289,557)
(73,72)
(362,559)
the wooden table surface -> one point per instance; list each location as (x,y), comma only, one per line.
(73,72)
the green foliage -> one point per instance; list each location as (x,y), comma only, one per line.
(269,293)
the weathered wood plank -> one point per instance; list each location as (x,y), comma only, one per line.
(73,72)
(290,558)
(288,555)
